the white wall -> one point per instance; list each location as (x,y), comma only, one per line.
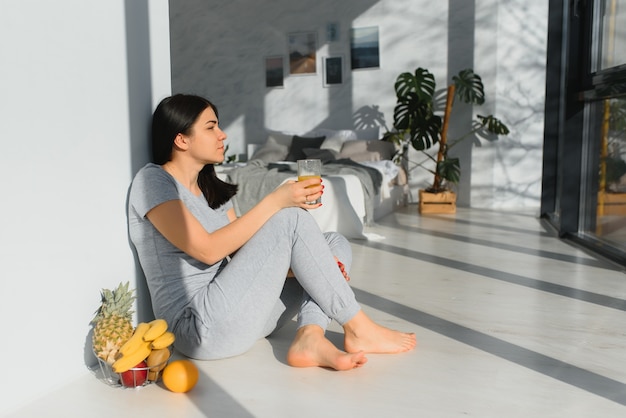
(73,129)
(218,50)
(507,173)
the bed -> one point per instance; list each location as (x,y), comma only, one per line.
(362,184)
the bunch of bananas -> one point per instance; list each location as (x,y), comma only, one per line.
(148,336)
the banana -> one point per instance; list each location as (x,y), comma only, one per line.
(130,360)
(157,328)
(134,341)
(163,341)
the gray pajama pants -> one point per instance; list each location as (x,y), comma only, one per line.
(250,297)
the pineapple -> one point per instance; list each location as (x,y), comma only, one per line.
(112,322)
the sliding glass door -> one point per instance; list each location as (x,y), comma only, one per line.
(585,144)
(605,197)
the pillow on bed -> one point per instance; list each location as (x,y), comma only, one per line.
(299,143)
(364,150)
(325,155)
(278,137)
(335,139)
(271,152)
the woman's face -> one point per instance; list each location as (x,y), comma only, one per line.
(207,139)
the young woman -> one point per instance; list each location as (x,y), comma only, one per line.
(221,281)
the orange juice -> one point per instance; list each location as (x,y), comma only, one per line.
(310,169)
(313,176)
(306,177)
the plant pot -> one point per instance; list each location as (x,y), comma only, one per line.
(442,202)
(611,204)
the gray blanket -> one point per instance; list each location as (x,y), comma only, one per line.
(257,179)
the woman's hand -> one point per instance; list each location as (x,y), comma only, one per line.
(298,193)
(343,269)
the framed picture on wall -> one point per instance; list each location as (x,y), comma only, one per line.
(274,71)
(302,47)
(333,70)
(332,32)
(364,48)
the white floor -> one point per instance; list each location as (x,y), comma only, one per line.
(511,322)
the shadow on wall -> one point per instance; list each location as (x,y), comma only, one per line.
(139,105)
(521,104)
(140,109)
(218,51)
(471,44)
(367,117)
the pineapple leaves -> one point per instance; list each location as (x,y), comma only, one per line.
(469,87)
(117,301)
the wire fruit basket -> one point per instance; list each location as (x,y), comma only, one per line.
(134,378)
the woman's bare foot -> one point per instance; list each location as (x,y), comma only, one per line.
(311,348)
(363,334)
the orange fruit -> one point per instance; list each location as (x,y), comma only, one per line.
(180,376)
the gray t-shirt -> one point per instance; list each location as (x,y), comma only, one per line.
(173,277)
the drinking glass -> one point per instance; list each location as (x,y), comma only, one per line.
(310,169)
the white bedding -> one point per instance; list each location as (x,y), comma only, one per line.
(343,206)
(348,205)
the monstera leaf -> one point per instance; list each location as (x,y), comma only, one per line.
(425,132)
(415,121)
(414,108)
(449,169)
(493,125)
(406,110)
(469,87)
(415,116)
(422,83)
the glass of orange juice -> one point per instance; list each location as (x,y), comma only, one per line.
(309,169)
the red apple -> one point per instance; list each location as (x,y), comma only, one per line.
(133,378)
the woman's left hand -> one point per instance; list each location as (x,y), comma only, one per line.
(343,269)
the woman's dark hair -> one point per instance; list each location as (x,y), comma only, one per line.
(176,114)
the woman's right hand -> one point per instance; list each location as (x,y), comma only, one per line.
(297,193)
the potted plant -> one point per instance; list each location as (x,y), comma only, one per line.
(416,122)
(611,193)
